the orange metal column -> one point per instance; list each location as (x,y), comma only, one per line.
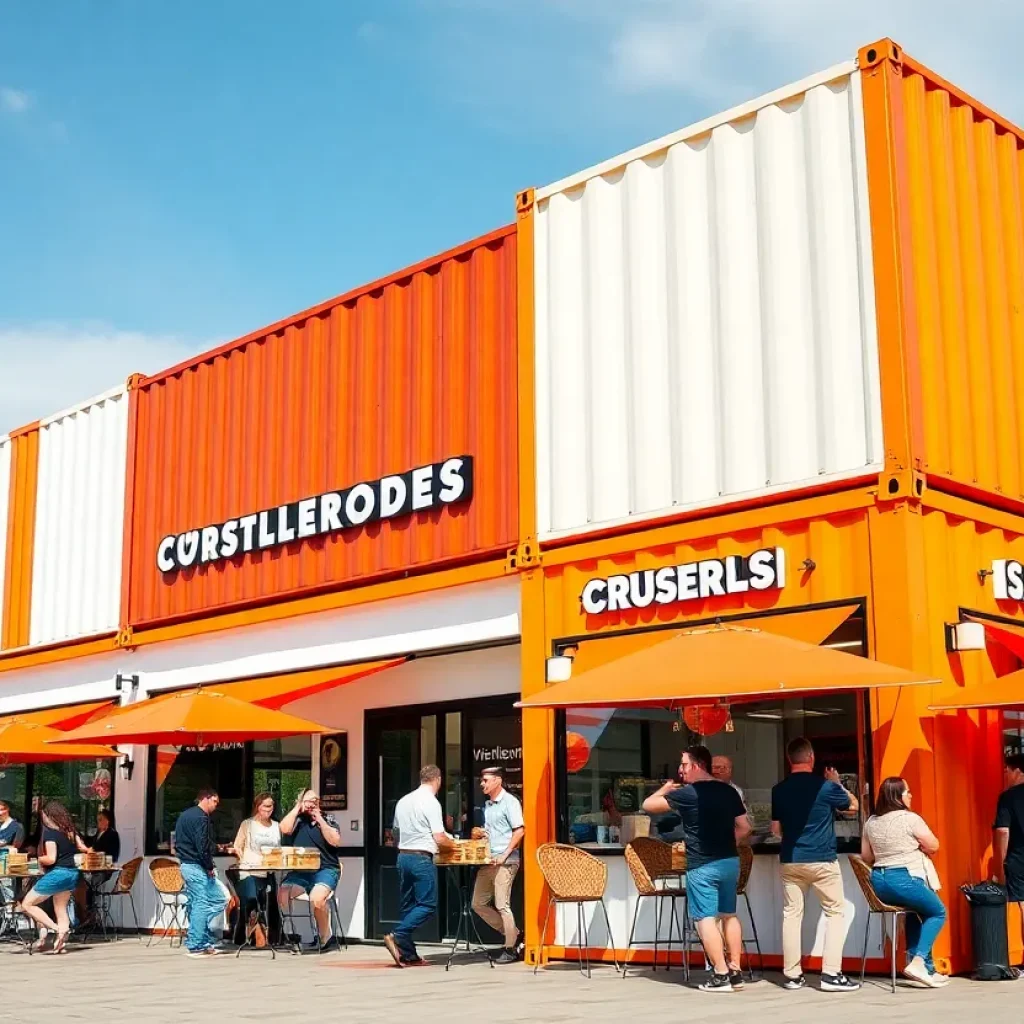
(899,364)
(21,530)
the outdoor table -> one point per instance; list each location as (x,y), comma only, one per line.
(96,881)
(467,924)
(9,912)
(263,915)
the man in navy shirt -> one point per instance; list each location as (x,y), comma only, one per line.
(803,811)
(195,846)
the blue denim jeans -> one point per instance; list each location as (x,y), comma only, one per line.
(417,882)
(898,887)
(204,901)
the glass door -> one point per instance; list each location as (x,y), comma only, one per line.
(397,747)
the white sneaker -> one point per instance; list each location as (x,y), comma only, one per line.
(916,971)
(199,954)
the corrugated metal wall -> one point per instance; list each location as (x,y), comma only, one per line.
(5,497)
(965,203)
(76,564)
(705,315)
(402,373)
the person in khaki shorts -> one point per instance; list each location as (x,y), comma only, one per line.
(803,812)
(492,893)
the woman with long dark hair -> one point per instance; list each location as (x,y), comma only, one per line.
(58,842)
(899,846)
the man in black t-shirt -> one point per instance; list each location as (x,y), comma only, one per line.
(713,819)
(1009,830)
(306,825)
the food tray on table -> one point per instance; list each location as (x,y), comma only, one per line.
(466,851)
(93,861)
(295,858)
(16,863)
(678,857)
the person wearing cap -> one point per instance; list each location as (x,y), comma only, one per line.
(492,893)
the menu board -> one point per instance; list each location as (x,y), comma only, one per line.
(334,772)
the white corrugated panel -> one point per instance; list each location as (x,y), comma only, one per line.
(5,496)
(705,322)
(76,566)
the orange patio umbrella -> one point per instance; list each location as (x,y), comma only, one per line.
(721,663)
(191,718)
(23,741)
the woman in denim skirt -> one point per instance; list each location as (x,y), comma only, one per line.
(58,844)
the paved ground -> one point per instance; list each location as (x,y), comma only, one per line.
(127,982)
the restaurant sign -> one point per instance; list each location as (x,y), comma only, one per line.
(391,497)
(1007,579)
(693,581)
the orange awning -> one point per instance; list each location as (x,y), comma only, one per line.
(276,691)
(191,718)
(1010,637)
(68,717)
(27,742)
(1006,692)
(813,626)
(721,664)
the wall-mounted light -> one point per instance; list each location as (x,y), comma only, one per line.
(126,685)
(559,669)
(965,636)
(127,767)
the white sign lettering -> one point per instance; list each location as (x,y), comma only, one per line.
(712,577)
(421,489)
(1007,580)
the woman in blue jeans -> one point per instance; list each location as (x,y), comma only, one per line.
(899,846)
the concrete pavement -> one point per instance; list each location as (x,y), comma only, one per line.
(125,981)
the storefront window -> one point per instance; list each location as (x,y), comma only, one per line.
(282,768)
(14,789)
(614,758)
(83,787)
(237,771)
(1013,733)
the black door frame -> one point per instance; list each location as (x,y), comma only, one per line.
(376,718)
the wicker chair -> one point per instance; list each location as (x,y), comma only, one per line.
(649,860)
(746,856)
(165,873)
(122,887)
(574,876)
(862,873)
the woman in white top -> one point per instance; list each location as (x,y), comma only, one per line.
(899,846)
(256,832)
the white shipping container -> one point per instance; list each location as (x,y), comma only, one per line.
(76,566)
(5,497)
(705,319)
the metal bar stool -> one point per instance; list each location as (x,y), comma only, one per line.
(746,856)
(650,860)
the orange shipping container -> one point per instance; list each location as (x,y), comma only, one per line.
(945,176)
(375,434)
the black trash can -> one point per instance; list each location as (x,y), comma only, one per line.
(988,932)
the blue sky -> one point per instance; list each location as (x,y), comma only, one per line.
(174,175)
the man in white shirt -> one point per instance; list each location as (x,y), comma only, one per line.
(420,831)
(721,768)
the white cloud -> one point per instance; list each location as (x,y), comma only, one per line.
(14,101)
(572,68)
(49,367)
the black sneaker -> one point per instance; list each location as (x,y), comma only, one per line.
(505,956)
(717,983)
(795,984)
(331,943)
(736,979)
(838,983)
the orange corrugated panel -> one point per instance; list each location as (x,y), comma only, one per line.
(20,540)
(960,198)
(404,373)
